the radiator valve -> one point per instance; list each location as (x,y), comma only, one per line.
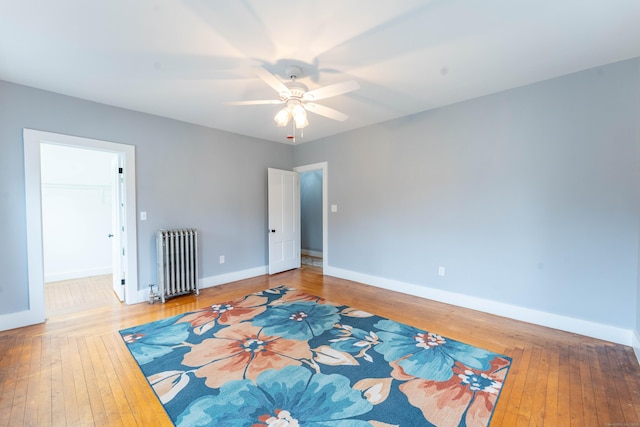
(153,296)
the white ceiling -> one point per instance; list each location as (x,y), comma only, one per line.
(185,59)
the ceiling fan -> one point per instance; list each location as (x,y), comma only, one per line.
(298,99)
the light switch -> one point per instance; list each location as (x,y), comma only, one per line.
(334,208)
(143,216)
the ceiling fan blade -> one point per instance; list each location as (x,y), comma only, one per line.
(256,102)
(321,110)
(272,81)
(332,90)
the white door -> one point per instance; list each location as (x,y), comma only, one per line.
(117,229)
(284,220)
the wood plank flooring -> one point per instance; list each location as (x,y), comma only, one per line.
(75,370)
(70,296)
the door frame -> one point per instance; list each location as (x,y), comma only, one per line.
(324,167)
(118,210)
(33,193)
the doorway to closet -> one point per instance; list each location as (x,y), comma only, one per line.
(79,210)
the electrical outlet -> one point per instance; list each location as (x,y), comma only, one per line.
(440,271)
(221,259)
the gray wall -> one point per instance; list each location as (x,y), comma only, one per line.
(187,176)
(311,210)
(528,197)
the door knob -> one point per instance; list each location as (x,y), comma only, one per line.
(273,231)
(110,235)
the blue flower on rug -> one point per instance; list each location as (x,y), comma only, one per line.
(292,396)
(300,321)
(156,339)
(427,355)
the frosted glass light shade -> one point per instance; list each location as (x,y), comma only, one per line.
(282,118)
(300,116)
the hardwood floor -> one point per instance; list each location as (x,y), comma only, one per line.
(71,296)
(75,369)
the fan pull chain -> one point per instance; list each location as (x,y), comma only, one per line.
(293,125)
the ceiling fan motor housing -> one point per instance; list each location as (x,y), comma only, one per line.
(297,90)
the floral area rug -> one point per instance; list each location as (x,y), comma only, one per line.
(282,357)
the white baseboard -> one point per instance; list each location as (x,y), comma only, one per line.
(636,344)
(207,282)
(68,275)
(220,279)
(551,320)
(583,327)
(19,319)
(309,252)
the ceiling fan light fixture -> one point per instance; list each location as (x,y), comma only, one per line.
(282,118)
(302,123)
(297,98)
(299,116)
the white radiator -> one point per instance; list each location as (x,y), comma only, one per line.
(177,262)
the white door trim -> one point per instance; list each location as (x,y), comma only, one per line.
(324,166)
(32,139)
(118,209)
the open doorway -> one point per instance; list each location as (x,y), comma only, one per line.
(79,210)
(313,214)
(311,250)
(126,233)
